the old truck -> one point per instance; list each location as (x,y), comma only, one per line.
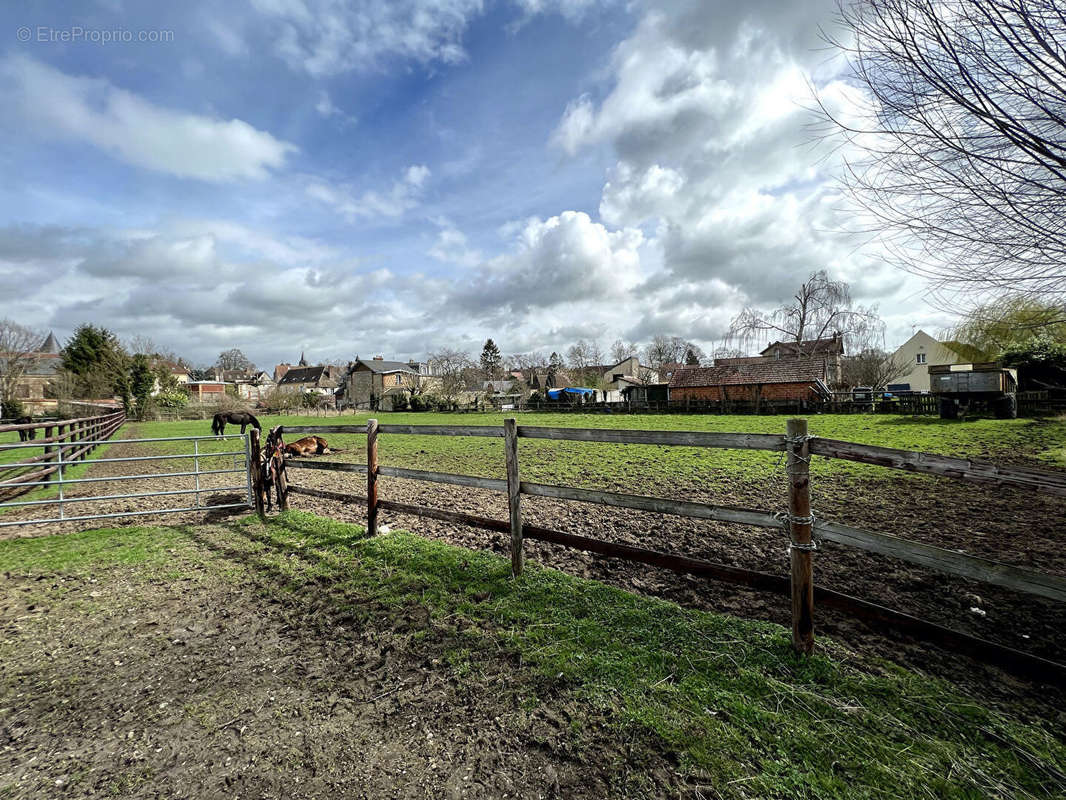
(959,386)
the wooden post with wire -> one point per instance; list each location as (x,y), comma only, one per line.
(255,466)
(372,477)
(514,494)
(800,523)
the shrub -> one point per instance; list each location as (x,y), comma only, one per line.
(12,407)
(172,398)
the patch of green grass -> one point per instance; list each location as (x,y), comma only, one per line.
(86,551)
(727,696)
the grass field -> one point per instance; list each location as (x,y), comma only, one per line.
(723,697)
(611,466)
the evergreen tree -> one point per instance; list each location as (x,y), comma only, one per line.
(96,357)
(141,383)
(491,359)
(555,361)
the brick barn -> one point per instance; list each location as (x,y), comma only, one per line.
(787,380)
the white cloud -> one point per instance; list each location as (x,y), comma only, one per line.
(566,259)
(326,108)
(328,37)
(133,129)
(705,107)
(200,287)
(452,246)
(404,195)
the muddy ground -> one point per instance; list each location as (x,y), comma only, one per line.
(1012,526)
(196,687)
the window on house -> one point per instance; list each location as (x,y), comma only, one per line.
(920,358)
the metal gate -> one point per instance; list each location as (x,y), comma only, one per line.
(62,489)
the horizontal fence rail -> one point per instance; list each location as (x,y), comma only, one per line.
(735,441)
(944,466)
(96,498)
(148,476)
(1015,578)
(682,508)
(73,440)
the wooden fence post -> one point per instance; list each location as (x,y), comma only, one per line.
(800,523)
(255,467)
(372,477)
(514,495)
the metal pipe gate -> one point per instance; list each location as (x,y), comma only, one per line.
(59,482)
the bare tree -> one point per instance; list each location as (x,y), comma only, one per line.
(822,308)
(234,359)
(671,350)
(527,364)
(139,344)
(414,383)
(620,350)
(454,369)
(18,355)
(727,352)
(872,367)
(582,357)
(963,169)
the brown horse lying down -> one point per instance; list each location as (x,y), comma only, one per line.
(307,446)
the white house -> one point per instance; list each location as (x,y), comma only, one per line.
(918,352)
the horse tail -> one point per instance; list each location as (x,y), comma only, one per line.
(216,424)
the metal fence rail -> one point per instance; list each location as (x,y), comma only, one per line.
(59,481)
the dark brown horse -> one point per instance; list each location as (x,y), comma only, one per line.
(242,418)
(29,433)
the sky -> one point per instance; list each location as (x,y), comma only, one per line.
(392,177)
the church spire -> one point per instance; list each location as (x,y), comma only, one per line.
(303,361)
(50,345)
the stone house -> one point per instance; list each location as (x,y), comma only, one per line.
(377,383)
(627,372)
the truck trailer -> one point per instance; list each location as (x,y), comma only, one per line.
(959,385)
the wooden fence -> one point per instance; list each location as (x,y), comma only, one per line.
(60,444)
(797,521)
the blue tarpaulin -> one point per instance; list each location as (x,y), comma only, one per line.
(557,394)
